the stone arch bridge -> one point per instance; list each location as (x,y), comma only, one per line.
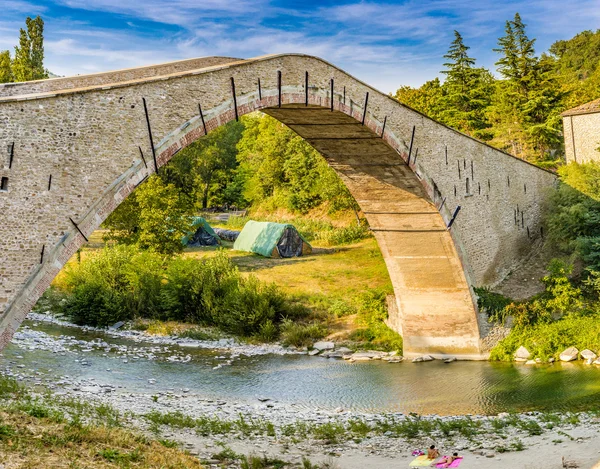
(447,211)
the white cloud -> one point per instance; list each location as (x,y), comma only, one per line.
(384,44)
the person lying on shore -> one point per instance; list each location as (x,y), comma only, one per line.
(432,453)
(447,460)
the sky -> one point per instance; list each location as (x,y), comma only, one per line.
(386,44)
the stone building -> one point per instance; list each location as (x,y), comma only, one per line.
(582,132)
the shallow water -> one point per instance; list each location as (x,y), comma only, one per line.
(314,382)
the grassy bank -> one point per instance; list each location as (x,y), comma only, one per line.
(50,432)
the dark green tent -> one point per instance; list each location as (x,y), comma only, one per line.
(272,240)
(201,234)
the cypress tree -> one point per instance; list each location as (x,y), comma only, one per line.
(28,63)
(5,68)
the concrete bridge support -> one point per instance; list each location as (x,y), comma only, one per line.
(73,152)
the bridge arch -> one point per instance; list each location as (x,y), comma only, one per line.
(77,147)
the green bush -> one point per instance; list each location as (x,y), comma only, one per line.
(301,335)
(122,283)
(372,313)
(547,340)
(95,305)
(116,284)
(494,304)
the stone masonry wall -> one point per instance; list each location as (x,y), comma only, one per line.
(89,141)
(582,137)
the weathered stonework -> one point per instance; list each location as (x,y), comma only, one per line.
(582,136)
(88,132)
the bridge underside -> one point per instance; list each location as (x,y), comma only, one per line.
(437,315)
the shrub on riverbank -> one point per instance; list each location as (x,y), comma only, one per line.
(547,340)
(372,313)
(121,282)
(562,316)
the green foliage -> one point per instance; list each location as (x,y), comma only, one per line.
(467,90)
(28,63)
(206,172)
(155,217)
(559,298)
(545,340)
(163,217)
(113,285)
(202,292)
(428,99)
(122,282)
(118,456)
(520,112)
(573,218)
(494,304)
(285,171)
(372,312)
(301,335)
(6,75)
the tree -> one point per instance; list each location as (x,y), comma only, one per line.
(427,99)
(123,223)
(5,67)
(28,63)
(527,103)
(282,170)
(204,170)
(163,217)
(467,89)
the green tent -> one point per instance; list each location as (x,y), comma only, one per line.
(201,234)
(272,240)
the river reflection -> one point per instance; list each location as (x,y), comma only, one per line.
(426,388)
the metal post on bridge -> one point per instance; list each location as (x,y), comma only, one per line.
(451,222)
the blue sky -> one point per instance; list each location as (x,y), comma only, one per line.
(386,44)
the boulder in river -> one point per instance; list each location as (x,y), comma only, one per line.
(428,358)
(320,346)
(587,354)
(569,354)
(597,361)
(530,362)
(522,354)
(314,352)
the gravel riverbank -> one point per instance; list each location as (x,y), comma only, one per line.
(342,438)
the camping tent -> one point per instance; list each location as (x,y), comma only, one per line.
(271,240)
(201,234)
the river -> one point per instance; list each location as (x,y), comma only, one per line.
(47,353)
